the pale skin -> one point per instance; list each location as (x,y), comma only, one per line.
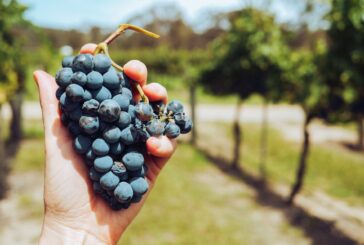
(73,213)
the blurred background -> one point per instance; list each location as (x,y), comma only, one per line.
(276,92)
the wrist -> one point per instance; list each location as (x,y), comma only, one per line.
(56,232)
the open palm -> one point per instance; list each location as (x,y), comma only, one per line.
(72,210)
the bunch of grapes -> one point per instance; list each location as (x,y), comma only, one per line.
(109,128)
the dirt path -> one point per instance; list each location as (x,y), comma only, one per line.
(21,212)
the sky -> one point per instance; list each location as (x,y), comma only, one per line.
(68,14)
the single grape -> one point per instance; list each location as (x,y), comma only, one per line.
(139,185)
(143,135)
(119,169)
(123,101)
(155,127)
(109,110)
(101,94)
(102,63)
(185,125)
(63,77)
(83,63)
(75,92)
(124,120)
(89,124)
(74,128)
(172,130)
(91,107)
(79,78)
(100,147)
(133,160)
(123,192)
(82,144)
(111,79)
(103,164)
(94,175)
(94,80)
(67,61)
(129,135)
(112,134)
(143,111)
(174,107)
(109,181)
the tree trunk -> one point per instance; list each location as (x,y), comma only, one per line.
(16,102)
(237,135)
(301,171)
(16,131)
(193,138)
(360,122)
(3,161)
(264,142)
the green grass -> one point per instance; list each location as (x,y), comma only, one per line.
(30,156)
(331,169)
(191,204)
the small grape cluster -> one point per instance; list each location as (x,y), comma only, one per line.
(109,128)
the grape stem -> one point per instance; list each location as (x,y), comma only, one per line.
(103,48)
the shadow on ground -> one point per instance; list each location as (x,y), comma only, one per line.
(319,231)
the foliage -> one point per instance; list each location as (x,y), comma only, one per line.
(346,55)
(247,59)
(10,58)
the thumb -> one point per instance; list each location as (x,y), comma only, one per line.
(47,94)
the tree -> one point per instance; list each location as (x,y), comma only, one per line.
(246,60)
(304,85)
(12,78)
(346,61)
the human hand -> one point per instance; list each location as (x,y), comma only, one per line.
(73,213)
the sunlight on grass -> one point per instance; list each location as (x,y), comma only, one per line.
(336,171)
(190,206)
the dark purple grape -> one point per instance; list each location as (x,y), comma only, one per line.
(83,63)
(155,127)
(63,77)
(143,111)
(67,61)
(109,111)
(172,130)
(102,63)
(123,192)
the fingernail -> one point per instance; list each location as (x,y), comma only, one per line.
(155,87)
(155,142)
